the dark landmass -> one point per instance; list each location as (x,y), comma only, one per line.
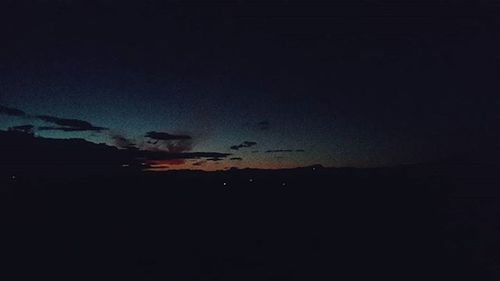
(435,221)
(25,154)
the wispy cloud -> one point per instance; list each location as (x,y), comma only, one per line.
(166,136)
(28,129)
(64,124)
(243,145)
(70,129)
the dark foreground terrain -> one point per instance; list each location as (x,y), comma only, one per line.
(430,222)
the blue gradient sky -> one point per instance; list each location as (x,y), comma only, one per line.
(348,85)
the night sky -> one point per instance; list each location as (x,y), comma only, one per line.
(275,84)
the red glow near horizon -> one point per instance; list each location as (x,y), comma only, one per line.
(183,164)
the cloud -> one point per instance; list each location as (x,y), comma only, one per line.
(244,144)
(65,122)
(70,129)
(68,125)
(23,128)
(158,158)
(215,159)
(236,158)
(172,146)
(165,155)
(122,142)
(162,141)
(166,136)
(299,150)
(11,111)
(165,163)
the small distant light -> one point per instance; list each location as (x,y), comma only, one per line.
(13,177)
(224,184)
(250,180)
(143,164)
(125,165)
(314,169)
(283,183)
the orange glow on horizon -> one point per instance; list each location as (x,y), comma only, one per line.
(181,164)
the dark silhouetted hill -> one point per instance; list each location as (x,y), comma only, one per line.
(95,220)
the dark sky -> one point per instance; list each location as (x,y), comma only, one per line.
(276,84)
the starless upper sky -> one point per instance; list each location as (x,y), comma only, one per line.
(273,83)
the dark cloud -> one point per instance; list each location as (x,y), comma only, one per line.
(70,129)
(236,158)
(166,136)
(122,142)
(65,122)
(199,163)
(68,125)
(263,125)
(299,150)
(161,141)
(244,144)
(11,111)
(165,155)
(23,128)
(255,151)
(215,159)
(171,146)
(178,146)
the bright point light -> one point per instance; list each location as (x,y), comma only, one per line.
(13,177)
(283,184)
(250,180)
(224,184)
